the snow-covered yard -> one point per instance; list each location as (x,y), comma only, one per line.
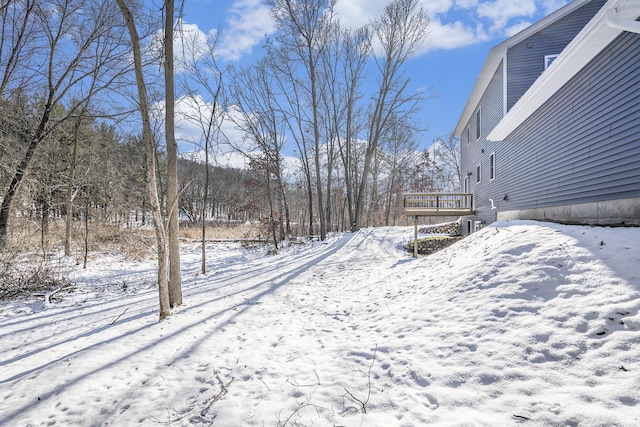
(522,323)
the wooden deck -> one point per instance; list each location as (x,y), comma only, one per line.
(438,204)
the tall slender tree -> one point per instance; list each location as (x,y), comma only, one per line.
(150,149)
(175,276)
(253,91)
(203,81)
(399,31)
(305,32)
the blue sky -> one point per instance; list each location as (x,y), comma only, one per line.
(461,34)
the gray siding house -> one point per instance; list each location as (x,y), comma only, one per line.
(551,130)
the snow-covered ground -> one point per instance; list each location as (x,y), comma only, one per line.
(522,323)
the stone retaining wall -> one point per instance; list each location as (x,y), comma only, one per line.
(429,245)
(451,228)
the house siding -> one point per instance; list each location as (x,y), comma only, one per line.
(583,144)
(478,152)
(526,59)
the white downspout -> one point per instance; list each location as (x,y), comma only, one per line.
(624,24)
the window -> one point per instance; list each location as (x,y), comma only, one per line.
(478,170)
(548,59)
(469,134)
(478,127)
(492,166)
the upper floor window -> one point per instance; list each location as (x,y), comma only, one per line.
(492,166)
(478,124)
(478,173)
(548,59)
(469,134)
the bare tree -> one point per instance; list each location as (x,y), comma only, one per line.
(147,136)
(203,77)
(400,157)
(355,50)
(400,31)
(72,191)
(18,33)
(175,277)
(294,115)
(306,27)
(253,91)
(78,43)
(446,153)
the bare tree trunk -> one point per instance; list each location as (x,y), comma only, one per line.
(272,222)
(11,192)
(175,279)
(400,31)
(70,193)
(316,140)
(203,268)
(147,136)
(285,202)
(86,233)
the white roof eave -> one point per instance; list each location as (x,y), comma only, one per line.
(593,38)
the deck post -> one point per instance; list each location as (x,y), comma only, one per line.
(415,236)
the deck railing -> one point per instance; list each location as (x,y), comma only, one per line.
(438,204)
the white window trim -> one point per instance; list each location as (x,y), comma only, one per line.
(478,123)
(469,134)
(479,174)
(492,166)
(548,60)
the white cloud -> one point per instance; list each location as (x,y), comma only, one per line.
(190,134)
(466,4)
(550,6)
(357,13)
(515,29)
(193,112)
(191,115)
(434,7)
(499,12)
(190,45)
(247,26)
(454,23)
(231,159)
(452,35)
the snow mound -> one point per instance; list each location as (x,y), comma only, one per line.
(520,323)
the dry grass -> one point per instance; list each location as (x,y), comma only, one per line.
(223,231)
(26,237)
(133,243)
(30,263)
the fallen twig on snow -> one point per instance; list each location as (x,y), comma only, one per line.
(116,319)
(306,403)
(363,403)
(217,397)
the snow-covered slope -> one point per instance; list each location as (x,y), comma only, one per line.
(521,323)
